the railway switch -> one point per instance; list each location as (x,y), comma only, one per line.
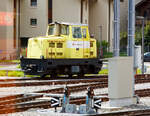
(97,103)
(89,101)
(63,100)
(55,102)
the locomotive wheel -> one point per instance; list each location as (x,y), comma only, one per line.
(54,75)
(81,75)
(70,76)
(42,76)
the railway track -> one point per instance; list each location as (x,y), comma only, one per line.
(51,82)
(22,102)
(19,107)
(17,101)
(61,77)
(144,112)
(65,77)
(46,81)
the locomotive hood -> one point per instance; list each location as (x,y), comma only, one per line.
(47,38)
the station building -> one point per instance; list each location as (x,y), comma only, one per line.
(22,19)
(8,29)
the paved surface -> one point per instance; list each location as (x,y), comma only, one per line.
(12,67)
(147,66)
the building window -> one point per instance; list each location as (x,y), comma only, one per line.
(33,3)
(33,22)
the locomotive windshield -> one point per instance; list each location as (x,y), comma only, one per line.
(64,30)
(51,30)
(76,32)
(58,29)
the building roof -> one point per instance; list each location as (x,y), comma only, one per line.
(67,23)
(142,2)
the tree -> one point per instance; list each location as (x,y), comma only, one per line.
(138,35)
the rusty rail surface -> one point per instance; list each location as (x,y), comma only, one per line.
(103,79)
(16,103)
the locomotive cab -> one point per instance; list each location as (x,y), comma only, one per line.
(66,49)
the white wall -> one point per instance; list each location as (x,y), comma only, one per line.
(99,16)
(66,11)
(7,30)
(85,17)
(27,12)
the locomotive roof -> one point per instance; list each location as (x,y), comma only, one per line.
(65,23)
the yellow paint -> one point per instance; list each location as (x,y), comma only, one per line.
(59,46)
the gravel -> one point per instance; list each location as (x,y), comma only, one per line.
(144,102)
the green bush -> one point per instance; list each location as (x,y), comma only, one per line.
(23,52)
(105,46)
(138,35)
(123,41)
(108,54)
(104,71)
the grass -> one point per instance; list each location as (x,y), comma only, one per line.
(18,66)
(12,73)
(3,73)
(21,74)
(15,74)
(139,71)
(10,61)
(110,54)
(104,71)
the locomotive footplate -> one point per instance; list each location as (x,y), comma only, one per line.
(60,66)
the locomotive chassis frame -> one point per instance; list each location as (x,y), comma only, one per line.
(44,67)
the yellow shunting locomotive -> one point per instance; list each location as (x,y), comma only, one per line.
(66,49)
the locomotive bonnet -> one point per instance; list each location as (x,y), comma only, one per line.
(66,49)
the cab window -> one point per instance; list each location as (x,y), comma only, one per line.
(64,29)
(84,32)
(76,32)
(51,30)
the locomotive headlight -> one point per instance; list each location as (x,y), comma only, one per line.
(42,57)
(77,49)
